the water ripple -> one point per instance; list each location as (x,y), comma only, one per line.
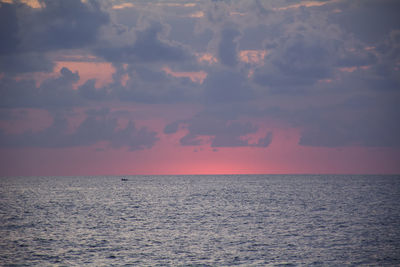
(257,220)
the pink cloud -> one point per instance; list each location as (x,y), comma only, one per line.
(253,56)
(194,76)
(123,5)
(206,57)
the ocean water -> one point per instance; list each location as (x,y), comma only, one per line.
(227,220)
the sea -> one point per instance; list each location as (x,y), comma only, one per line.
(200,220)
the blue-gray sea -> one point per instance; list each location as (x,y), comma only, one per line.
(220,220)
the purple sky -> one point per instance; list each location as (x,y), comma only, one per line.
(187,87)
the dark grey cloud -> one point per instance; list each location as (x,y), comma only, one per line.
(220,131)
(222,86)
(125,18)
(61,25)
(310,48)
(25,62)
(367,132)
(97,127)
(150,84)
(227,47)
(356,59)
(53,93)
(146,74)
(254,36)
(8,28)
(265,141)
(27,33)
(89,92)
(148,48)
(183,30)
(12,59)
(171,128)
(368,20)
(11,115)
(298,61)
(358,121)
(146,85)
(378,74)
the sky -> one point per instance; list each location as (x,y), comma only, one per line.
(199,87)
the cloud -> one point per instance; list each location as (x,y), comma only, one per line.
(310,49)
(53,93)
(24,62)
(255,57)
(12,58)
(62,25)
(265,141)
(90,92)
(223,86)
(148,47)
(196,77)
(206,128)
(8,28)
(304,4)
(171,128)
(298,61)
(288,64)
(253,37)
(227,51)
(183,30)
(358,121)
(149,84)
(12,115)
(365,132)
(123,5)
(28,34)
(97,127)
(369,20)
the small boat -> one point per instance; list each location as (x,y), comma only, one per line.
(124,179)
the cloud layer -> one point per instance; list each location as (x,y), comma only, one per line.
(330,69)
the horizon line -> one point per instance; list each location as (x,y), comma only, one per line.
(202,174)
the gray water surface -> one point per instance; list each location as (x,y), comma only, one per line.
(248,220)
